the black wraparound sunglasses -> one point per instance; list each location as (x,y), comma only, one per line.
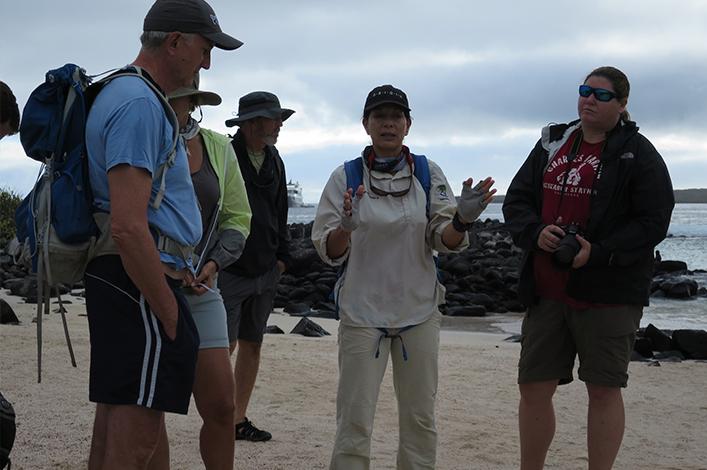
(599,93)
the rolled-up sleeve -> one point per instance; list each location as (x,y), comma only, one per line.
(443,206)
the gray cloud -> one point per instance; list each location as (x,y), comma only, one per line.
(482,77)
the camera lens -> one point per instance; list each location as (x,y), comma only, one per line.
(564,254)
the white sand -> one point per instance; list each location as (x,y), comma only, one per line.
(295,397)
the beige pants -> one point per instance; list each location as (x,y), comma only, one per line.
(415,381)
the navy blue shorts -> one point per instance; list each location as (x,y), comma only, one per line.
(133,361)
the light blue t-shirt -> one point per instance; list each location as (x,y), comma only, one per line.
(127,124)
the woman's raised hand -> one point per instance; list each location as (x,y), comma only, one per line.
(474,200)
(350,216)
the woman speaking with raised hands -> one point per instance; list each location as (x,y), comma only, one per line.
(383,216)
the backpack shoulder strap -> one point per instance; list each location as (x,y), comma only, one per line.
(354,173)
(171,116)
(422,173)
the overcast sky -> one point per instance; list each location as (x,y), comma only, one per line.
(482,77)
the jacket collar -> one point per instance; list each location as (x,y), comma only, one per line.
(554,137)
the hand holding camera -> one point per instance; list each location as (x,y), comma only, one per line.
(568,247)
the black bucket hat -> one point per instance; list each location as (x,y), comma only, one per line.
(259,103)
(190,17)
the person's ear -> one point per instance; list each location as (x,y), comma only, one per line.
(622,105)
(173,41)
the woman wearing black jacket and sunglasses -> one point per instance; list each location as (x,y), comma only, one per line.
(588,207)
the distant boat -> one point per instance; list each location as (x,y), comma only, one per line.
(294,195)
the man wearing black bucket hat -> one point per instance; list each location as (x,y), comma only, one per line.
(248,286)
(144,343)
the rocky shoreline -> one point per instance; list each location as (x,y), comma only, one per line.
(481,279)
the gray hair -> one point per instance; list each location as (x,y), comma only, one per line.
(152,40)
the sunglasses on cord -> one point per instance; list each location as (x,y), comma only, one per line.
(599,93)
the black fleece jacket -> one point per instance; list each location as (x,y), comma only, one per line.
(269,239)
(629,217)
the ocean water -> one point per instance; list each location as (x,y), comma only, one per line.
(301,215)
(686,241)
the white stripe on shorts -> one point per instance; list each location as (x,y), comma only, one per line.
(149,333)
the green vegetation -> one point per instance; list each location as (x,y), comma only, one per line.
(9,200)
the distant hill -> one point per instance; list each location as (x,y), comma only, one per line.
(681,196)
(691,195)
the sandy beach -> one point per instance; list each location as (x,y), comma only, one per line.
(294,399)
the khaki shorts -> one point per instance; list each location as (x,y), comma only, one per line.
(554,333)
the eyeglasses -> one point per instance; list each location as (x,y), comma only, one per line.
(599,93)
(380,192)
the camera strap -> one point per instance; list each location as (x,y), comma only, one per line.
(597,172)
(574,151)
(570,158)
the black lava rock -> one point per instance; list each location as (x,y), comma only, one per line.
(297,309)
(274,330)
(671,266)
(660,340)
(692,343)
(466,311)
(307,327)
(7,314)
(644,347)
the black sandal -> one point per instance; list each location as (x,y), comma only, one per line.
(246,431)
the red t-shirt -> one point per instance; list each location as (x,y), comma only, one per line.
(575,207)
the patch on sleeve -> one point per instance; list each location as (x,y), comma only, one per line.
(442,191)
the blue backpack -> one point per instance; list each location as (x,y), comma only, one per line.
(60,227)
(57,219)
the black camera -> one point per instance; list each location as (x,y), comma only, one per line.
(563,256)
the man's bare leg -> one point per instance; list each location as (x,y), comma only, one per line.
(131,435)
(605,425)
(536,417)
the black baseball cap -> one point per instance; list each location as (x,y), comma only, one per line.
(386,94)
(190,17)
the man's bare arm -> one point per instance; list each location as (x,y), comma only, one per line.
(130,195)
